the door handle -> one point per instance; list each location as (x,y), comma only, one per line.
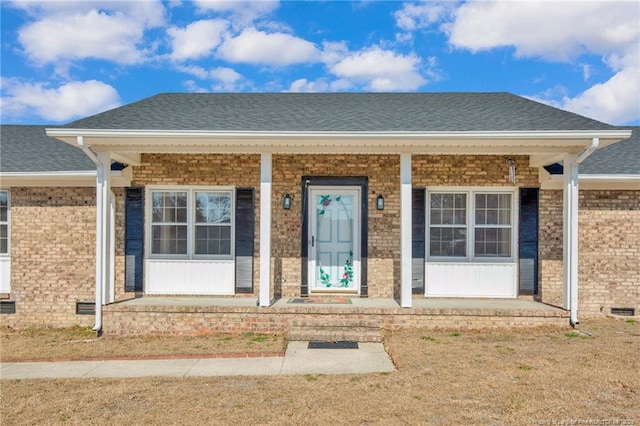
(313,241)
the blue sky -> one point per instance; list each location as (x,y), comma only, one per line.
(66,60)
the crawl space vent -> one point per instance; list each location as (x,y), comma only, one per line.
(7,307)
(85,308)
(624,312)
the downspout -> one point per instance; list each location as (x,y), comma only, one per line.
(573,267)
(100,172)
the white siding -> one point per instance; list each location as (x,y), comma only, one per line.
(5,275)
(471,279)
(189,277)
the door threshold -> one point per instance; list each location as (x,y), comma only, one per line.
(334,292)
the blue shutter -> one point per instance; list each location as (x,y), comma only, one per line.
(528,237)
(133,238)
(418,220)
(245,220)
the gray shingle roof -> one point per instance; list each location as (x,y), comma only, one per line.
(367,112)
(621,158)
(28,149)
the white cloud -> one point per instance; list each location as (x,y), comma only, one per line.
(381,70)
(414,16)
(228,79)
(225,79)
(333,52)
(71,100)
(197,39)
(319,85)
(242,12)
(615,101)
(259,48)
(564,31)
(67,31)
(557,31)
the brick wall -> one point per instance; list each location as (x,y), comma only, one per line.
(609,250)
(383,172)
(53,229)
(471,170)
(202,320)
(206,170)
(52,255)
(550,248)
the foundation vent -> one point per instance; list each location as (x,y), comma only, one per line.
(85,308)
(7,307)
(623,312)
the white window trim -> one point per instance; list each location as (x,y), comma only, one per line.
(8,223)
(191,222)
(470,192)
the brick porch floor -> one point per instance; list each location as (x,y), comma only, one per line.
(205,315)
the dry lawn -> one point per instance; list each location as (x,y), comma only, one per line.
(531,377)
(47,344)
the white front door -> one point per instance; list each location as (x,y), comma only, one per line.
(334,243)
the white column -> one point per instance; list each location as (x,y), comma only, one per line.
(570,237)
(110,293)
(405,230)
(103,233)
(265,229)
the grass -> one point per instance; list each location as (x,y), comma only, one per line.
(81,343)
(501,377)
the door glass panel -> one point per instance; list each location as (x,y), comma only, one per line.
(334,240)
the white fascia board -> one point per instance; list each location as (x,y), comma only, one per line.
(151,140)
(629,182)
(82,178)
(610,178)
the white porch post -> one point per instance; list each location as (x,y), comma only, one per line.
(103,232)
(265,229)
(570,237)
(405,230)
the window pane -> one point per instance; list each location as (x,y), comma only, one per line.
(169,239)
(447,201)
(448,242)
(4,206)
(436,201)
(169,207)
(436,217)
(493,209)
(4,241)
(213,240)
(213,207)
(448,209)
(493,242)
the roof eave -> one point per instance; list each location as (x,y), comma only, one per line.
(77,178)
(508,142)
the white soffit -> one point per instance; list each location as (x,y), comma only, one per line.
(162,141)
(85,178)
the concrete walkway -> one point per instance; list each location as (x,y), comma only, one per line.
(298,359)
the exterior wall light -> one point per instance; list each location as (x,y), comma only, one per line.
(286,202)
(380,202)
(512,170)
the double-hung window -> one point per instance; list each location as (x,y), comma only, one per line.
(4,223)
(191,223)
(471,225)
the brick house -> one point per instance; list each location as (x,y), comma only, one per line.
(399,196)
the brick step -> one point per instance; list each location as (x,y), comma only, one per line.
(335,322)
(334,334)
